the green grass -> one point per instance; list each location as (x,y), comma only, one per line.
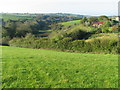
(110,36)
(32,68)
(70,22)
(16,17)
(67,30)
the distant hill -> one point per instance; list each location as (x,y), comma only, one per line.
(17,16)
(67,14)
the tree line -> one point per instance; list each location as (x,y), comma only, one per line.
(24,33)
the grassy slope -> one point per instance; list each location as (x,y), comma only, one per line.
(70,22)
(84,28)
(111,36)
(28,68)
(72,28)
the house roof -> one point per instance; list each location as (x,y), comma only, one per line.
(98,23)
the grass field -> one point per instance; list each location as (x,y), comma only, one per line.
(70,22)
(16,17)
(32,68)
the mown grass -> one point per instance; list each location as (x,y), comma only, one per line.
(32,68)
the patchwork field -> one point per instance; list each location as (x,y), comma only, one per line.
(32,68)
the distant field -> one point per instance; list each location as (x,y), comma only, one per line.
(70,22)
(111,36)
(31,68)
(69,27)
(15,16)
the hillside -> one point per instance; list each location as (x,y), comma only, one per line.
(17,16)
(59,51)
(87,34)
(75,25)
(8,16)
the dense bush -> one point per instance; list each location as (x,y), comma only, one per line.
(4,41)
(95,45)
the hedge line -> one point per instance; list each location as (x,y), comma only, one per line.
(95,45)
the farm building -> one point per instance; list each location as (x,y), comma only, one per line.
(97,24)
(116,18)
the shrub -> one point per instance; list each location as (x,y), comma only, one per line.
(5,41)
(96,45)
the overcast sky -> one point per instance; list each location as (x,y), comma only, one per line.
(84,7)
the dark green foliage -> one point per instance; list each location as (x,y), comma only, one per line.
(103,18)
(62,35)
(20,27)
(78,45)
(105,29)
(79,34)
(4,41)
(10,28)
(93,19)
(96,45)
(56,26)
(84,19)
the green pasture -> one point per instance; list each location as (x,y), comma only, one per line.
(39,68)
